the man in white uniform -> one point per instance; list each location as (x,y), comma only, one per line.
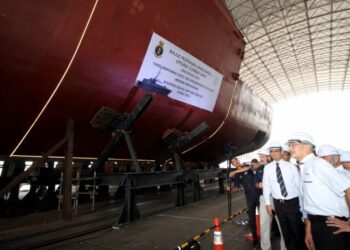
(323,191)
(281,181)
(329,153)
(265,218)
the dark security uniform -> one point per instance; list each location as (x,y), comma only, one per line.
(247,180)
(252,197)
(259,173)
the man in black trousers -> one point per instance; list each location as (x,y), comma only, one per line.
(281,180)
(246,176)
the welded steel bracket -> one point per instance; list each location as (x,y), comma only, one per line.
(120,126)
(134,181)
(177,141)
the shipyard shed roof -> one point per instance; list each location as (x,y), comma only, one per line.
(294,47)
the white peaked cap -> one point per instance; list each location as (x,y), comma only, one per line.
(301,137)
(326,149)
(263,151)
(275,144)
(285,148)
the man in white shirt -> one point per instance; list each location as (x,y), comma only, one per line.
(329,153)
(281,181)
(323,191)
(265,218)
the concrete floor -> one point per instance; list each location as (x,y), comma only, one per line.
(168,229)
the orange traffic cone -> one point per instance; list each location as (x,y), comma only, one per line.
(218,242)
(257,222)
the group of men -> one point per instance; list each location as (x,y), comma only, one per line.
(310,198)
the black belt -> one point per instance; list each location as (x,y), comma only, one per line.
(322,218)
(285,201)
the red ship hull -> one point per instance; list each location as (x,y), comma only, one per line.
(48,45)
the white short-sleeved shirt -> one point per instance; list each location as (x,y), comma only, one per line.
(323,188)
(271,186)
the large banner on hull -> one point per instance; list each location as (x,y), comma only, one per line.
(171,71)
